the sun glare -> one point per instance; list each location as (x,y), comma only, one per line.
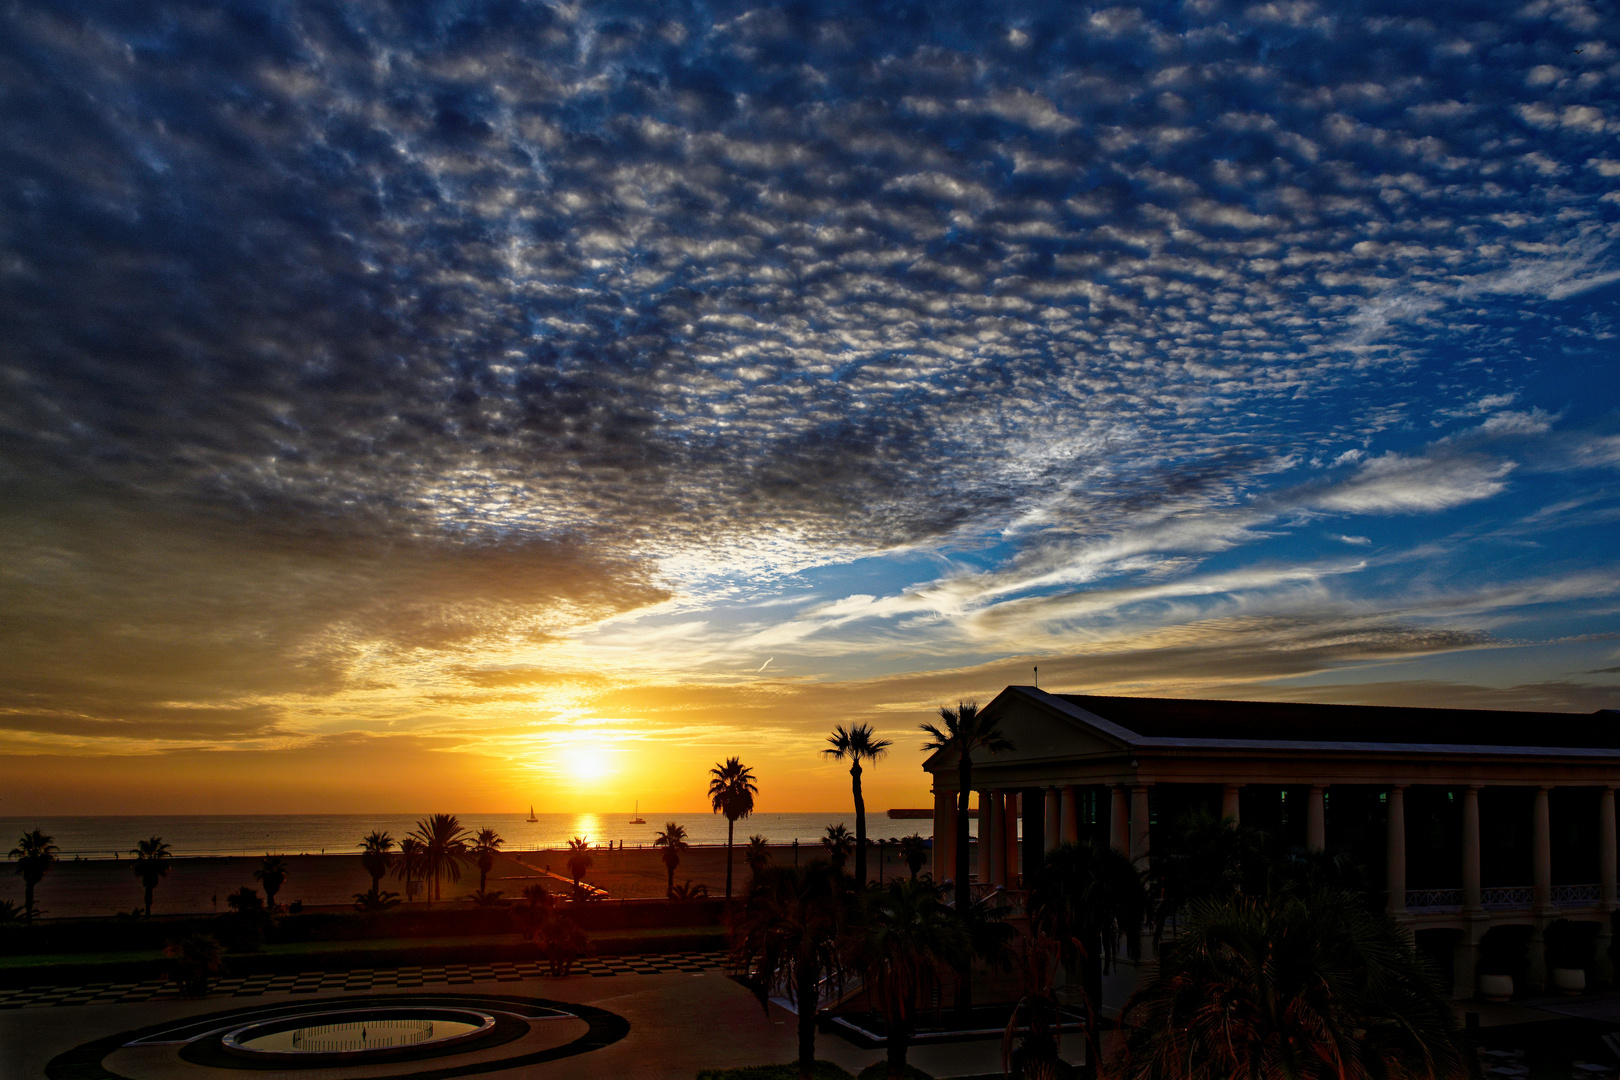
(586,764)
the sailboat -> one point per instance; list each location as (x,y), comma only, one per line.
(638,819)
(531,813)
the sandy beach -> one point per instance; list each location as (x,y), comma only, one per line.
(106,887)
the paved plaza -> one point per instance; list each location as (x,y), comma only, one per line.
(681,1017)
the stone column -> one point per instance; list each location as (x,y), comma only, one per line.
(1606,850)
(944,834)
(1316,818)
(987,835)
(1470,855)
(1054,814)
(1069,813)
(1602,966)
(1536,970)
(1395,850)
(998,838)
(1119,818)
(1010,820)
(1229,802)
(1541,852)
(1139,825)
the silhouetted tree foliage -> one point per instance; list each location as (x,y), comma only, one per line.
(732,791)
(855,745)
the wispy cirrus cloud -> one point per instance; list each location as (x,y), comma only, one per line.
(349,349)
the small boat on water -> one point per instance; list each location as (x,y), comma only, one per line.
(531,813)
(638,819)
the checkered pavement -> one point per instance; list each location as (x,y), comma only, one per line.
(360,979)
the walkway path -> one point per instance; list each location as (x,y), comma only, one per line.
(311,982)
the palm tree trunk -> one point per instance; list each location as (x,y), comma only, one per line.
(669,885)
(860,826)
(731,824)
(808,998)
(149,901)
(899,1037)
(28,899)
(964,780)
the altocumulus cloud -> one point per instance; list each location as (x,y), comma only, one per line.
(349,345)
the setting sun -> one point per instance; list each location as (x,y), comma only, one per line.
(586,763)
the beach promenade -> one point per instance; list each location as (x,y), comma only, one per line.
(104,887)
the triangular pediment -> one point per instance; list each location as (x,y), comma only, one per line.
(1041,727)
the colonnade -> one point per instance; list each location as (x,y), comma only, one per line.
(1000,811)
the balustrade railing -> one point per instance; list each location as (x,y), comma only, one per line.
(1508,896)
(1575,894)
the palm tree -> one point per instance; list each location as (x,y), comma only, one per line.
(579,860)
(1202,857)
(245,900)
(411,857)
(1089,897)
(689,891)
(151,865)
(732,791)
(484,847)
(673,841)
(838,843)
(965,731)
(272,874)
(757,854)
(856,744)
(35,852)
(788,934)
(914,852)
(906,934)
(1311,988)
(444,846)
(374,857)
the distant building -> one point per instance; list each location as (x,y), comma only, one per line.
(1472,822)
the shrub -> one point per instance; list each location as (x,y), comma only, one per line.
(563,942)
(193,961)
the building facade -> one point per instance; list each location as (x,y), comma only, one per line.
(1481,828)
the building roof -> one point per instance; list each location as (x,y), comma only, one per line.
(1293,722)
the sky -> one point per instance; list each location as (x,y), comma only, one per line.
(457,406)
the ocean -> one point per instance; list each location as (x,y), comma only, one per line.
(311,834)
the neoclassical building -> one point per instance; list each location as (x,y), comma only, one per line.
(1473,822)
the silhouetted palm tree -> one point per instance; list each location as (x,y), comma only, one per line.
(788,934)
(272,874)
(757,854)
(689,891)
(838,844)
(673,841)
(855,745)
(965,732)
(1313,988)
(1201,857)
(411,858)
(905,936)
(1088,897)
(244,900)
(484,847)
(444,847)
(35,852)
(151,865)
(579,860)
(732,791)
(914,851)
(375,858)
